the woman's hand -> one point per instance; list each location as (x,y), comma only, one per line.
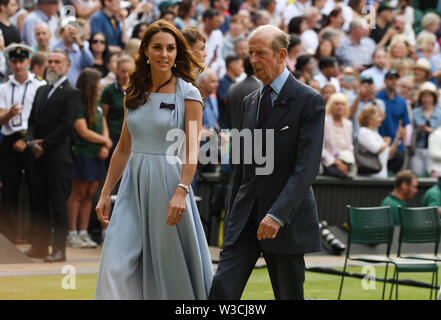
(103,209)
(176,207)
(103,153)
(425,128)
(109,143)
(340,165)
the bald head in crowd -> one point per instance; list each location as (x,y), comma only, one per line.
(207,82)
(42,36)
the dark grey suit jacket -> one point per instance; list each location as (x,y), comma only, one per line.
(235,96)
(285,193)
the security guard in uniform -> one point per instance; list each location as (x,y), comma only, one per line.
(16,98)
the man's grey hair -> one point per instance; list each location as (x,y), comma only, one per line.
(309,11)
(356,23)
(281,38)
(403,79)
(204,75)
(66,55)
(28,4)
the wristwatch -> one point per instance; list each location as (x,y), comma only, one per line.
(186,188)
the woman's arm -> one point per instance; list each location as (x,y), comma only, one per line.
(85,133)
(105,127)
(103,153)
(393,148)
(118,163)
(105,108)
(193,121)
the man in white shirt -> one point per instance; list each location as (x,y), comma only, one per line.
(377,71)
(309,38)
(327,66)
(16,98)
(214,41)
(356,49)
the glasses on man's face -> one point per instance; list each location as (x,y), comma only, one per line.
(94,41)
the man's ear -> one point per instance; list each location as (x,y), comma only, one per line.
(283,54)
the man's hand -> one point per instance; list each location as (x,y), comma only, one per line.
(19,145)
(38,150)
(74,32)
(15,109)
(268,228)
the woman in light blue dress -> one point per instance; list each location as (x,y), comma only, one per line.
(155,246)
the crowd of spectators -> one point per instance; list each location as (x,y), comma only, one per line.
(376,63)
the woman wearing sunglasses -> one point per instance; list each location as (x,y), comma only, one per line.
(100,50)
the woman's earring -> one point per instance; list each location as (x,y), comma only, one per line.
(148,61)
(174,65)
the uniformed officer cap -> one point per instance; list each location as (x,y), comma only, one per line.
(18,51)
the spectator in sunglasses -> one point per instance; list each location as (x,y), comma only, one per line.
(100,50)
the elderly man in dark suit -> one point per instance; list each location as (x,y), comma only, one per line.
(274,213)
(54,111)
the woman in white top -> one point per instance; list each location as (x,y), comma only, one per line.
(435,153)
(338,149)
(368,137)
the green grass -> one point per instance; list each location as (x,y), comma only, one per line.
(326,286)
(46,288)
(317,286)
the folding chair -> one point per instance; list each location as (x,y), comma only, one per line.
(374,225)
(420,225)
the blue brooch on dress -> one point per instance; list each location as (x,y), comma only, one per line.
(164,105)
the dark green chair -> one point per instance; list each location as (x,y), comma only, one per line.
(374,225)
(420,225)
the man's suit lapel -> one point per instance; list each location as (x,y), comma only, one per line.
(282,104)
(44,101)
(250,114)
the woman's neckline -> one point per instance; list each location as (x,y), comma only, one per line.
(161,92)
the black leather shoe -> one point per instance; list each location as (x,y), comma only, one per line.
(36,253)
(57,256)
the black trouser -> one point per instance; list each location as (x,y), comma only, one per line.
(52,189)
(13,163)
(287,272)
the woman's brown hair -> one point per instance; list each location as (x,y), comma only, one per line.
(140,80)
(87,83)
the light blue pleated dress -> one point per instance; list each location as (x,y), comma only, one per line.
(142,256)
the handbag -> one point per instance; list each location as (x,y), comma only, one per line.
(367,162)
